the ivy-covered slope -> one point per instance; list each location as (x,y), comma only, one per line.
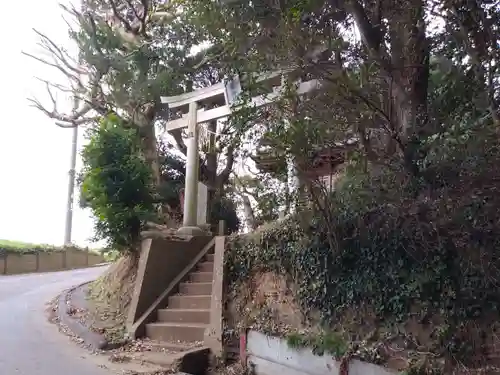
(396,272)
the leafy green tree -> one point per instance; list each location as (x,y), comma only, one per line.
(117,184)
(130,54)
(375,86)
(383,87)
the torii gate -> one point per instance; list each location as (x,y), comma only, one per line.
(221,97)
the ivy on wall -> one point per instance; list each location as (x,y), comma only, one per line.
(386,259)
(403,262)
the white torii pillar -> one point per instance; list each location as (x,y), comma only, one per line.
(189,224)
(219,94)
(226,94)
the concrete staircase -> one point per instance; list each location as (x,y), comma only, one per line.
(184,320)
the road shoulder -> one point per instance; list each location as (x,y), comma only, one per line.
(134,357)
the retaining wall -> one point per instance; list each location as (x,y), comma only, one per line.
(12,263)
(271,355)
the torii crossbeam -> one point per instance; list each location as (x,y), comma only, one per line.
(220,98)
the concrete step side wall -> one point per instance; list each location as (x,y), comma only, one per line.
(192,311)
(163,266)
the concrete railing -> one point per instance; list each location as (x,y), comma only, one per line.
(213,335)
(12,263)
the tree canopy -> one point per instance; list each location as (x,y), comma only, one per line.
(395,75)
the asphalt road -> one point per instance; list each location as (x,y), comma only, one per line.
(29,343)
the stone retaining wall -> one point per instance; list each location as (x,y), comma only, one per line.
(12,263)
(268,355)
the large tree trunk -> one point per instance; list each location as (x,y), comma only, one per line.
(410,61)
(248,211)
(404,67)
(146,122)
(150,150)
(208,168)
(410,65)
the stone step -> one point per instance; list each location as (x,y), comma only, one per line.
(183,332)
(189,302)
(206,267)
(209,257)
(196,289)
(165,346)
(201,277)
(201,316)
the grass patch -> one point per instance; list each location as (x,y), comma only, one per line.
(321,343)
(18,244)
(9,246)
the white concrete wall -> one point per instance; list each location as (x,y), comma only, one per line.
(272,356)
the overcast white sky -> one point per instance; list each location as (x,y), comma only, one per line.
(34,153)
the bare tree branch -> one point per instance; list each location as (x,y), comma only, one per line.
(118,17)
(84,83)
(69,75)
(62,120)
(57,86)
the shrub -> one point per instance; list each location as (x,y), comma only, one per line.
(117,184)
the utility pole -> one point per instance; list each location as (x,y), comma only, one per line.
(71,175)
(71,185)
(72,169)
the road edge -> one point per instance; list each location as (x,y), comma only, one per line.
(91,339)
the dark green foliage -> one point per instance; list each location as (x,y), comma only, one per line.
(323,343)
(391,258)
(225,209)
(117,184)
(173,173)
(397,246)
